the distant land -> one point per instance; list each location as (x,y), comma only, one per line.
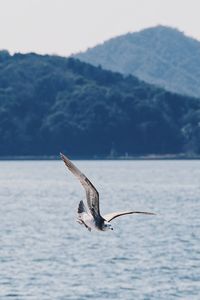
(50,104)
(160,55)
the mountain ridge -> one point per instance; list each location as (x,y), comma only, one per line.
(159,55)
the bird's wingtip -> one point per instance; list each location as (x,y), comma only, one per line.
(151,213)
(62,156)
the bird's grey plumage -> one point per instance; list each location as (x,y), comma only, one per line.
(92,196)
(91,193)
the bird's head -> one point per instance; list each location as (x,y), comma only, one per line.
(107,226)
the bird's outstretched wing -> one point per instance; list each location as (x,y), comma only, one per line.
(92,194)
(114,215)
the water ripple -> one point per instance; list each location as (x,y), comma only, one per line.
(45,254)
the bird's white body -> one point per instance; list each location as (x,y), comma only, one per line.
(87,220)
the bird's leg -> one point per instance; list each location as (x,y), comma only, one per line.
(87,226)
(79,221)
(82,223)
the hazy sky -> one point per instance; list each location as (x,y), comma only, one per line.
(68,26)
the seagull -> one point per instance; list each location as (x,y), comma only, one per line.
(91,217)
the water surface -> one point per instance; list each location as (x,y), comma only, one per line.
(45,254)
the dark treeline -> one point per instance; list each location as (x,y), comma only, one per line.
(50,104)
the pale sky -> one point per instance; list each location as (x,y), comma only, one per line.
(68,26)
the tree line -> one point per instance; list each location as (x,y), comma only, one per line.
(50,104)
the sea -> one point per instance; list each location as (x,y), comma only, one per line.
(46,255)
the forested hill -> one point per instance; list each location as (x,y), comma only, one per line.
(160,55)
(50,104)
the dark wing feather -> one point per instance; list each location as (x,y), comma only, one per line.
(92,194)
(114,215)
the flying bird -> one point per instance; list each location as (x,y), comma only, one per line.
(91,217)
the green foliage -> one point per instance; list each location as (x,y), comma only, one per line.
(50,104)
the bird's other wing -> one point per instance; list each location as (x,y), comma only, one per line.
(92,194)
(114,215)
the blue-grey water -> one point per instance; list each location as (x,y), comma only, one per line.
(45,254)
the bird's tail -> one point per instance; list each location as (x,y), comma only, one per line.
(81,207)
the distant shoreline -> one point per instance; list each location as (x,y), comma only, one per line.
(96,157)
